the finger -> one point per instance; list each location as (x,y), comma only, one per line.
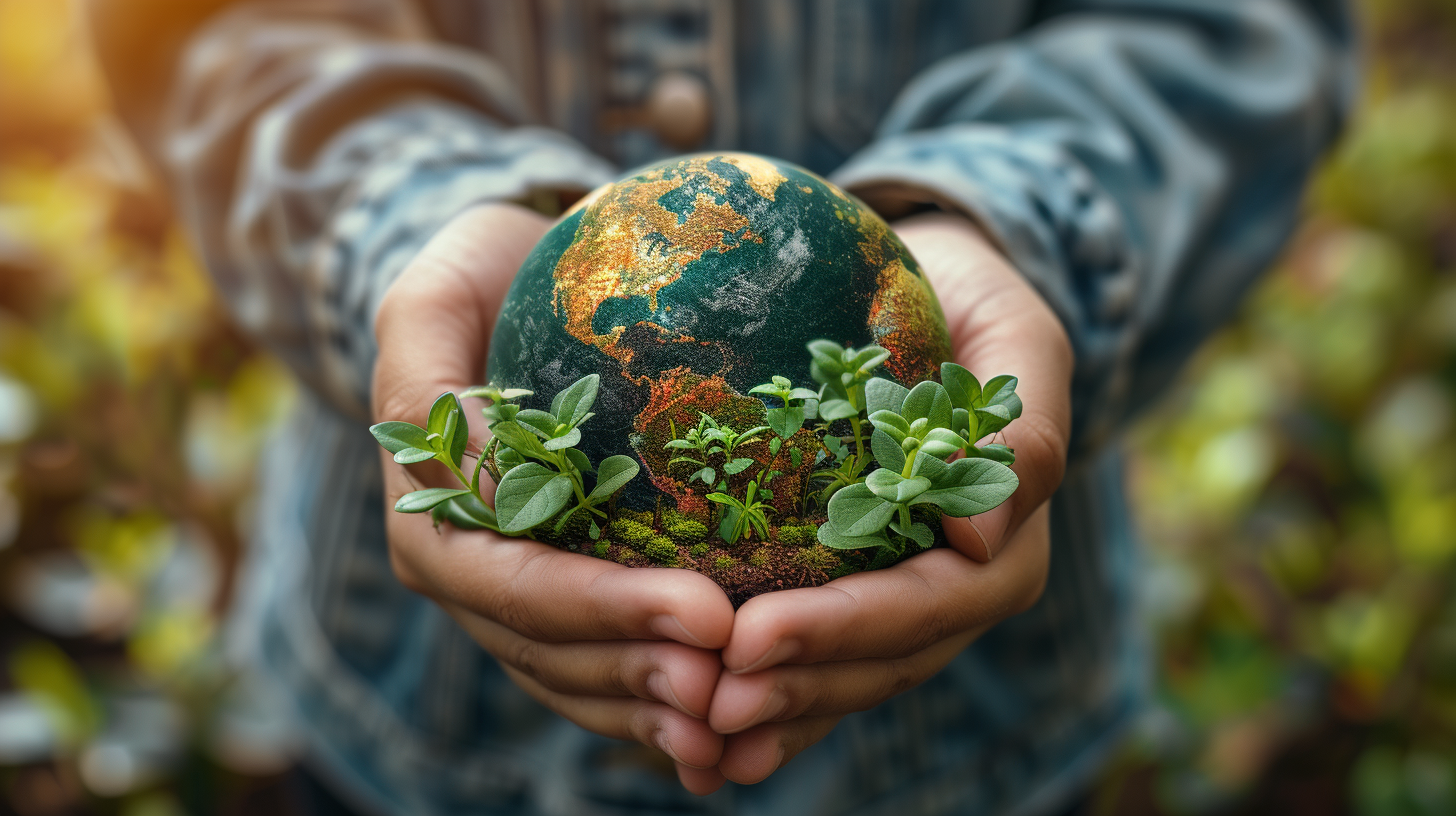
(1000,325)
(666,672)
(788,692)
(892,612)
(752,756)
(700,781)
(687,740)
(554,595)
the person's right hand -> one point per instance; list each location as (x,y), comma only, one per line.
(625,653)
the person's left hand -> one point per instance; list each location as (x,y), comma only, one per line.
(799,660)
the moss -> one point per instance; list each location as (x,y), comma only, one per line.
(625,554)
(576,530)
(601,549)
(760,557)
(639,516)
(685,532)
(725,562)
(817,557)
(850,562)
(661,549)
(699,550)
(631,533)
(802,535)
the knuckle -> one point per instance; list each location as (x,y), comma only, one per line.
(526,656)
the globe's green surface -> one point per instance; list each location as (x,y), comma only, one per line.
(691,281)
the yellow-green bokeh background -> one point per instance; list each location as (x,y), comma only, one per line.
(1296,490)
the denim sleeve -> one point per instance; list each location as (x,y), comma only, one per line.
(1140,161)
(313,146)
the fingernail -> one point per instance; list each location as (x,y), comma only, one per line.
(670,627)
(662,690)
(781,650)
(772,707)
(660,738)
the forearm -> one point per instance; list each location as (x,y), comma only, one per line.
(313,147)
(1140,163)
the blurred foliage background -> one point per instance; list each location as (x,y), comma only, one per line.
(1296,490)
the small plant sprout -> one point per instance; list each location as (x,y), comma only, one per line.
(798,404)
(742,517)
(842,374)
(539,469)
(711,438)
(913,442)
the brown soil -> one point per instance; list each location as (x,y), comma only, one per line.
(750,567)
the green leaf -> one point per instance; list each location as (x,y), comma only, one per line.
(567,440)
(396,436)
(766,388)
(992,419)
(999,453)
(514,436)
(786,421)
(836,448)
(836,409)
(456,434)
(970,486)
(918,532)
(737,466)
(470,513)
(834,539)
(868,358)
(724,499)
(855,511)
(614,473)
(579,461)
(409,456)
(530,495)
(803,394)
(447,420)
(797,457)
(828,354)
(942,442)
(495,394)
(1001,391)
(928,466)
(540,423)
(891,423)
(439,411)
(572,405)
(960,422)
(707,475)
(892,487)
(422,500)
(499,412)
(885,395)
(594,531)
(928,400)
(960,385)
(887,451)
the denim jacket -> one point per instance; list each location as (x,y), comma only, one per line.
(1140,161)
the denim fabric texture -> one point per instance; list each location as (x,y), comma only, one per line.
(1140,161)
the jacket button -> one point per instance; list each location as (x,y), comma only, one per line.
(678,109)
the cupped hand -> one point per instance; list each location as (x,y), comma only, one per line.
(799,660)
(625,653)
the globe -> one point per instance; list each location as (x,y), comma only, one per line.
(690,281)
